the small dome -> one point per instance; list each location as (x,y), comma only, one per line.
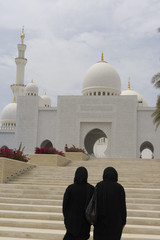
(46,100)
(8,115)
(130,92)
(101,79)
(31,89)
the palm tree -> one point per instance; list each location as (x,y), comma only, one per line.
(156,113)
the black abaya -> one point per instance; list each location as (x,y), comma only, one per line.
(111,207)
(75,200)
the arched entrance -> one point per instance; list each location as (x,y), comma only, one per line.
(46,144)
(146,150)
(96,142)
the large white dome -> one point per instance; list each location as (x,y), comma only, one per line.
(101,79)
(8,115)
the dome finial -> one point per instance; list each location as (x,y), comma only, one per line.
(22,35)
(129,87)
(102,58)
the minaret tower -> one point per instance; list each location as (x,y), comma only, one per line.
(18,88)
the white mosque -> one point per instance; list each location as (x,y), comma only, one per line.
(104,120)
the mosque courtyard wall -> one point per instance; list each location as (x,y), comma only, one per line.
(146,131)
(7,138)
(116,116)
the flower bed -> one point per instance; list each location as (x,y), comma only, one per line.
(13,154)
(73,149)
(49,150)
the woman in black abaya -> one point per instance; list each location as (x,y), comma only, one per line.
(111,207)
(75,201)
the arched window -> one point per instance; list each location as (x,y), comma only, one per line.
(146,150)
(46,144)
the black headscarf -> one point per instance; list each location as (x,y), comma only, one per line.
(81,175)
(110,174)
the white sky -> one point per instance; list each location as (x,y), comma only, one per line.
(65,37)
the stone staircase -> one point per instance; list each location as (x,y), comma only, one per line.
(31,205)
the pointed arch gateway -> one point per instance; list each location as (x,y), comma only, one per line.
(91,140)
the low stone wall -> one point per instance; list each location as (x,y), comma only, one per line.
(76,156)
(10,169)
(48,160)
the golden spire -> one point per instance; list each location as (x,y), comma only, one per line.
(14,99)
(129,87)
(102,59)
(22,34)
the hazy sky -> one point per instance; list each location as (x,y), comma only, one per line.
(65,37)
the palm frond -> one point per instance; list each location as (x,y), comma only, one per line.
(156,117)
(156,80)
(158,102)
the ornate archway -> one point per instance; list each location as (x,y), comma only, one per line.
(91,138)
(146,150)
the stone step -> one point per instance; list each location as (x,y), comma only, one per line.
(58,224)
(31,201)
(142,229)
(59,216)
(139,237)
(31,205)
(60,188)
(143,213)
(35,196)
(143,221)
(26,207)
(59,195)
(12,238)
(143,206)
(58,208)
(59,202)
(124,237)
(57,189)
(31,215)
(36,234)
(21,187)
(143,200)
(32,233)
(132,184)
(32,223)
(152,194)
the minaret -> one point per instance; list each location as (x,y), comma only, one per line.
(18,88)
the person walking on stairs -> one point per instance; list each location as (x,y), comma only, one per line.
(75,200)
(111,207)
